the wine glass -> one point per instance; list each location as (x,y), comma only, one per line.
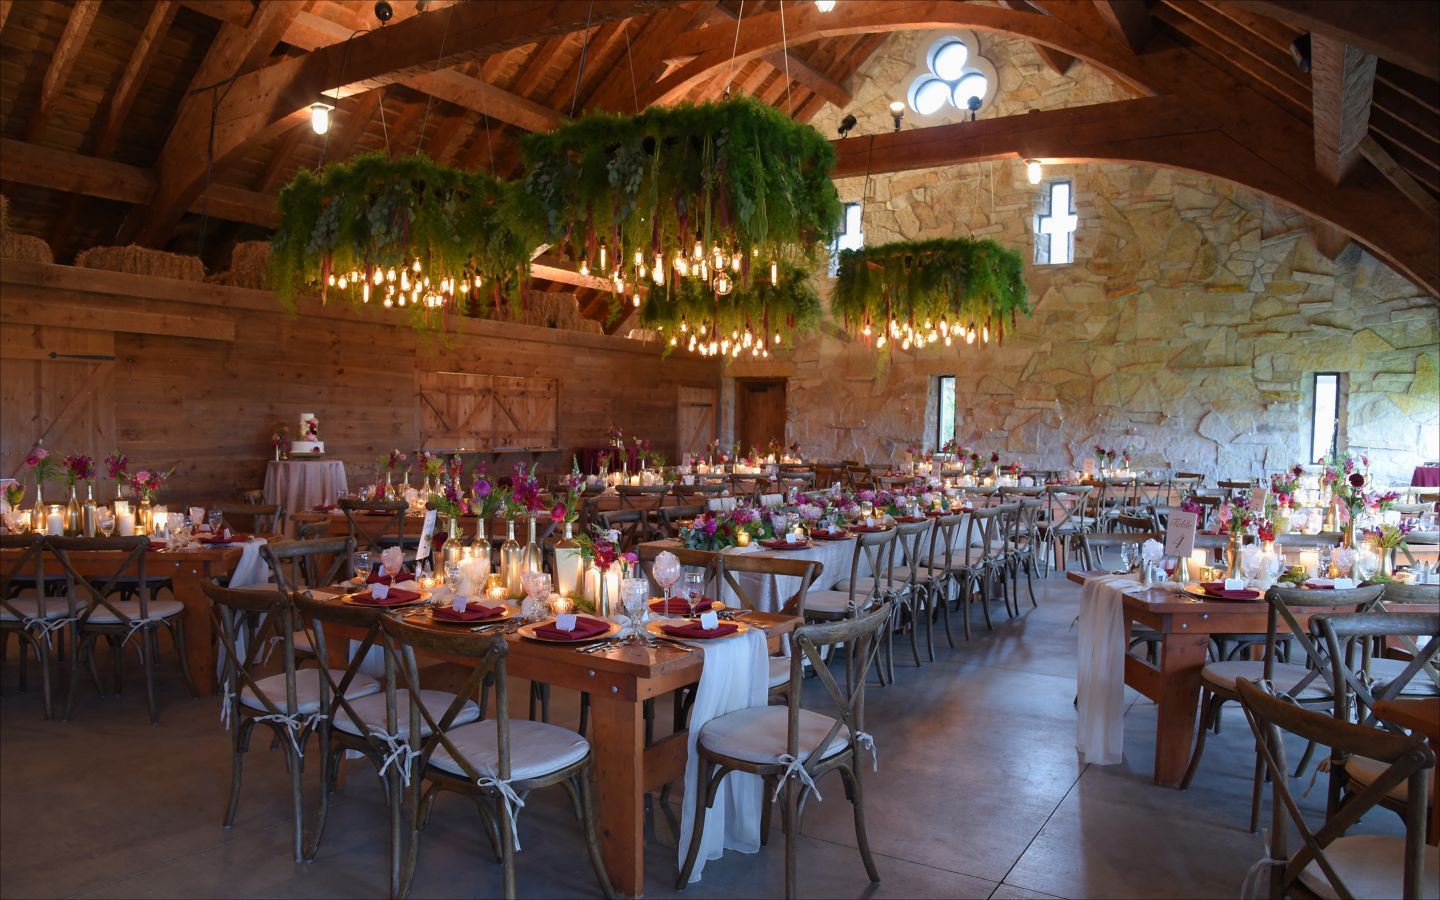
(537,590)
(1367,563)
(1129,555)
(105,521)
(635,592)
(667,571)
(214,517)
(361,565)
(694,589)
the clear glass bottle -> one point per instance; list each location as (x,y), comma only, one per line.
(569,565)
(88,516)
(74,521)
(511,564)
(532,557)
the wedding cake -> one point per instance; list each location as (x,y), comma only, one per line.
(309,436)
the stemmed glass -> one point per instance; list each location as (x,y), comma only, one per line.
(105,521)
(667,572)
(537,588)
(1129,556)
(636,593)
(361,565)
(214,517)
(694,590)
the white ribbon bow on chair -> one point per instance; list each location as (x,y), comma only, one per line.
(293,725)
(509,801)
(227,700)
(400,753)
(866,741)
(45,626)
(794,768)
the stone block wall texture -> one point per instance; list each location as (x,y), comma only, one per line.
(1189,327)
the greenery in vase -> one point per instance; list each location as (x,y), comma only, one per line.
(42,466)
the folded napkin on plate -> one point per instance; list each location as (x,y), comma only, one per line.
(1319,586)
(394,598)
(678,607)
(234,538)
(781,544)
(377,578)
(693,630)
(585,627)
(1217,589)
(474,612)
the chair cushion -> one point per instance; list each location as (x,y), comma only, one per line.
(758,734)
(1371,865)
(831,602)
(1285,676)
(536,749)
(307,690)
(371,710)
(1363,771)
(901,574)
(779,671)
(50,608)
(1383,671)
(159,609)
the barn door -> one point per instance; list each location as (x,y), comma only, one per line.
(56,384)
(457,410)
(695,419)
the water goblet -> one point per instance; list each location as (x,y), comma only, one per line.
(537,590)
(635,592)
(361,565)
(215,517)
(1129,555)
(667,572)
(694,589)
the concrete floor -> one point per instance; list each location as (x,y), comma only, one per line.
(979,794)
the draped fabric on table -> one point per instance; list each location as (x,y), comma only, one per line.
(1100,670)
(733,678)
(251,569)
(1426,476)
(590,458)
(304,484)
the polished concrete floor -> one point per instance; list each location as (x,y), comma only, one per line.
(979,794)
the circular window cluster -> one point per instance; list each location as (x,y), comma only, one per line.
(949,78)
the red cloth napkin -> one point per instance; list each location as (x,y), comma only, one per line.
(909,520)
(396,597)
(585,627)
(785,545)
(678,607)
(1310,585)
(377,578)
(325,507)
(1217,589)
(868,529)
(694,631)
(217,539)
(830,536)
(473,612)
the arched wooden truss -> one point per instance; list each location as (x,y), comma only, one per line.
(1355,144)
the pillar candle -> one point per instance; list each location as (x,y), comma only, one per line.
(125,523)
(55,521)
(1310,559)
(1198,560)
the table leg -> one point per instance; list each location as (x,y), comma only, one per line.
(617,743)
(199,636)
(1182,656)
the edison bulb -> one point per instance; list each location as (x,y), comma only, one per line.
(1032,170)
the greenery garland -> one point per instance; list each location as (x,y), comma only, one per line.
(966,283)
(790,306)
(739,173)
(373,213)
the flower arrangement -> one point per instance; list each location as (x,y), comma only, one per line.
(1016,469)
(1390,537)
(78,467)
(455,469)
(1285,485)
(448,502)
(485,499)
(1106,456)
(278,437)
(566,508)
(525,490)
(430,463)
(1236,517)
(1127,456)
(147,484)
(395,460)
(14,493)
(1190,505)
(710,531)
(41,465)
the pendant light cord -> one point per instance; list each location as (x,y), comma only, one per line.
(584,47)
(630,61)
(784,51)
(734,48)
(344,64)
(430,97)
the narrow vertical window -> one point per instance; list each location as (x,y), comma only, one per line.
(945,411)
(1325,415)
(849,237)
(1055,228)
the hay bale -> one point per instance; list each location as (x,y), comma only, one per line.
(25,247)
(590,326)
(4,214)
(249,265)
(138,260)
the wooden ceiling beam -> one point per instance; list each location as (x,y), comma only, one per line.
(260,104)
(442,141)
(1231,44)
(360,110)
(146,48)
(1058,61)
(566,87)
(801,70)
(1404,182)
(1343,79)
(275,166)
(538,64)
(648,50)
(5,7)
(61,170)
(1406,33)
(1128,20)
(233,12)
(557,268)
(62,61)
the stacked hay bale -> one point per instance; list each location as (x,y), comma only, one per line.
(546,309)
(138,260)
(24,247)
(249,266)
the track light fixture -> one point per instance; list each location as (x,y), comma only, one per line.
(897,112)
(846,124)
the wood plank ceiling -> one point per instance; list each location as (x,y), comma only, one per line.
(98,99)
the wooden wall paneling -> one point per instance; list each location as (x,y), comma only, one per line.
(56,384)
(695,417)
(456,409)
(527,414)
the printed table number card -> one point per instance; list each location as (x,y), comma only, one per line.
(427,531)
(1257,499)
(1180,536)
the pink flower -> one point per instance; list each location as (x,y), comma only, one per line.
(557,512)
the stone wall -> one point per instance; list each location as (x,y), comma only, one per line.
(1189,326)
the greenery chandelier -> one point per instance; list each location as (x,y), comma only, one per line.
(916,293)
(404,232)
(704,204)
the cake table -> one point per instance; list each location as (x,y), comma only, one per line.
(302,484)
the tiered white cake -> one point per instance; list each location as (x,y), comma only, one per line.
(309,436)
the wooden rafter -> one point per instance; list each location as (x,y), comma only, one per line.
(1058,61)
(538,64)
(62,61)
(1406,34)
(146,48)
(358,113)
(1343,79)
(5,7)
(801,70)
(443,140)
(276,165)
(1129,20)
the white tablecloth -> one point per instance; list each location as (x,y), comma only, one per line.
(733,678)
(251,569)
(1100,670)
(302,484)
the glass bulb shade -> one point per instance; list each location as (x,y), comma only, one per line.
(320,117)
(602,254)
(636,301)
(928,96)
(1032,170)
(584,266)
(972,85)
(948,60)
(824,5)
(722,283)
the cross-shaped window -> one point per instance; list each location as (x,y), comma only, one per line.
(849,237)
(1055,231)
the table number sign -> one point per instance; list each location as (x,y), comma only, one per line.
(1180,535)
(427,531)
(1257,499)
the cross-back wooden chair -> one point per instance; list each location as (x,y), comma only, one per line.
(118,620)
(874,553)
(1329,863)
(630,523)
(493,762)
(742,574)
(252,518)
(1229,486)
(309,526)
(306,564)
(946,559)
(1348,641)
(791,747)
(35,619)
(984,547)
(908,584)
(1064,520)
(290,703)
(1152,493)
(392,531)
(671,516)
(1024,539)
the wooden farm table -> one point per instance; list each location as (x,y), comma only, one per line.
(1423,718)
(618,681)
(1185,626)
(187,570)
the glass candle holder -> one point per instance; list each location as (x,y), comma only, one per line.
(743,538)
